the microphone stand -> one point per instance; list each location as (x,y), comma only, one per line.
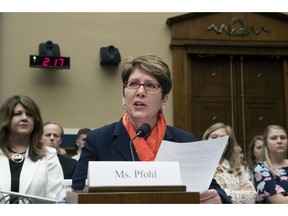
(143,131)
(131,148)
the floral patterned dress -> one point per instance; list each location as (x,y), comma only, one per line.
(267,184)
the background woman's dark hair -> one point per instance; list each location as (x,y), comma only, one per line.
(36,148)
(251,159)
(152,65)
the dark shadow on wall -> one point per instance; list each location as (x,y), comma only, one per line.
(50,76)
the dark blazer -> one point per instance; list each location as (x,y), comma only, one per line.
(68,165)
(112,143)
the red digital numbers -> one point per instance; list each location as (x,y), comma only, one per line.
(50,62)
(60,60)
(55,62)
(46,62)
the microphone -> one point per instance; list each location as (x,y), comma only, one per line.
(142,131)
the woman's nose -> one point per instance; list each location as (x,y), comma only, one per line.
(23,116)
(141,91)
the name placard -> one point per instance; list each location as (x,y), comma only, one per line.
(122,173)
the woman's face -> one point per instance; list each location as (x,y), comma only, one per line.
(277,141)
(258,149)
(143,106)
(22,122)
(218,133)
(239,152)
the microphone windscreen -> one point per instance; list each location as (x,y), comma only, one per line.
(144,130)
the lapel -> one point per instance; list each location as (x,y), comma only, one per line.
(122,141)
(168,136)
(5,179)
(28,172)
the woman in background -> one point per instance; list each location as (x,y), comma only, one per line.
(254,154)
(230,174)
(27,166)
(271,175)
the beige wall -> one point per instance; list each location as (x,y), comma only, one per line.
(86,95)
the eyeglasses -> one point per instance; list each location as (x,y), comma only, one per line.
(134,85)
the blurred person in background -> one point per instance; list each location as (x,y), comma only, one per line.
(80,140)
(52,136)
(230,173)
(254,154)
(271,173)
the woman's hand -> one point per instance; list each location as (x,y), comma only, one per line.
(210,197)
(246,186)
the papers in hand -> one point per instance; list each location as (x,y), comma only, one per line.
(198,160)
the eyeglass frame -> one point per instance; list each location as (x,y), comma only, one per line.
(142,84)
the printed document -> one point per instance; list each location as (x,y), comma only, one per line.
(197,160)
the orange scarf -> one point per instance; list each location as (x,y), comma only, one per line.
(147,149)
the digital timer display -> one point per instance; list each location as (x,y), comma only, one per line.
(49,62)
